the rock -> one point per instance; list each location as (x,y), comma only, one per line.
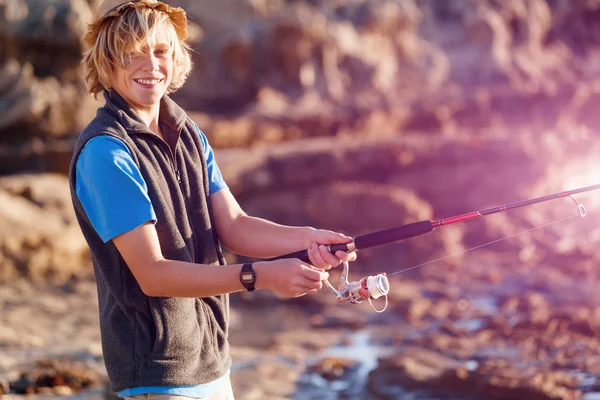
(36,107)
(39,237)
(42,95)
(58,377)
(565,14)
(47,35)
(431,372)
(334,368)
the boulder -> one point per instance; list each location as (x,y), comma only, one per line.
(39,236)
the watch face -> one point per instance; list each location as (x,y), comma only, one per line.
(247,277)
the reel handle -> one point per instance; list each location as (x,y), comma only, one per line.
(342,295)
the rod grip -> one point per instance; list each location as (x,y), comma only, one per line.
(371,239)
(393,234)
(303,254)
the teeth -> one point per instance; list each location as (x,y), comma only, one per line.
(148,81)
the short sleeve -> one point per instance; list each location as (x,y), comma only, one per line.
(111,188)
(216,181)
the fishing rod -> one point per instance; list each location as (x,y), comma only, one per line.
(373,287)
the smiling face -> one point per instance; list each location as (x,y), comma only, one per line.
(147,73)
(134,49)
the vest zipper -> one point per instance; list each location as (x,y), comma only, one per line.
(185,200)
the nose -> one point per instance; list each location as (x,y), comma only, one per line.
(150,62)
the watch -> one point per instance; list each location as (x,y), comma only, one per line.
(248,277)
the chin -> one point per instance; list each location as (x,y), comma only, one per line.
(149,101)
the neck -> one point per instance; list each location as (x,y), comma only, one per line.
(150,118)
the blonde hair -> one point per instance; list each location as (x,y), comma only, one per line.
(120,37)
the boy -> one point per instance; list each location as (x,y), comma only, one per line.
(154,208)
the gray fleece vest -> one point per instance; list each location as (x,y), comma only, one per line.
(158,341)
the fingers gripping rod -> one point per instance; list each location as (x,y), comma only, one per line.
(370,287)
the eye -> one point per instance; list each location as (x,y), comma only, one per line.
(162,51)
(134,55)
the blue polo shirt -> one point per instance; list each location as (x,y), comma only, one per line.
(115,198)
(112,190)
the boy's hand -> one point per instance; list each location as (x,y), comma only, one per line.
(289,277)
(319,255)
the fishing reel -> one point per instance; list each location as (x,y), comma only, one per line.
(369,288)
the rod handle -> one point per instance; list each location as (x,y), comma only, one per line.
(303,254)
(393,234)
(371,239)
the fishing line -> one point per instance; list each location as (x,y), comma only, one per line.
(483,245)
(374,287)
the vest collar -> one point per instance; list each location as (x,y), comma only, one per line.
(171,114)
